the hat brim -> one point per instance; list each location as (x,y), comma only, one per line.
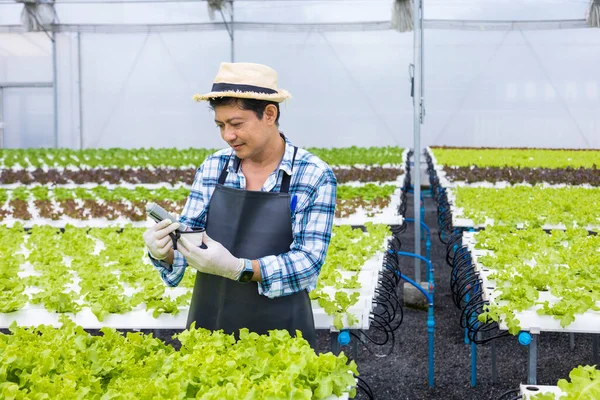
(278,97)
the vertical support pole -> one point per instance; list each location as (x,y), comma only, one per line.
(1,117)
(572,340)
(232,35)
(596,349)
(494,370)
(79,77)
(422,48)
(431,348)
(474,323)
(417,136)
(335,346)
(467,299)
(422,208)
(473,364)
(55,88)
(532,362)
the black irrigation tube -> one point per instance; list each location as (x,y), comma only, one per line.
(362,385)
(466,287)
(513,394)
(388,314)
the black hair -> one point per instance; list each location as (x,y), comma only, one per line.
(254,105)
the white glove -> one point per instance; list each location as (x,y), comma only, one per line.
(215,259)
(157,239)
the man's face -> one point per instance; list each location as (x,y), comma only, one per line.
(242,130)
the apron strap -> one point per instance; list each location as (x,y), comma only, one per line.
(176,235)
(285,181)
(223,175)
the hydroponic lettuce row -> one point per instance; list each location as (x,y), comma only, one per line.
(173,176)
(505,148)
(569,176)
(526,262)
(107,270)
(103,269)
(584,384)
(69,363)
(370,197)
(101,202)
(103,158)
(174,158)
(349,249)
(533,206)
(360,155)
(532,158)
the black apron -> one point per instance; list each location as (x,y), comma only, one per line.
(250,224)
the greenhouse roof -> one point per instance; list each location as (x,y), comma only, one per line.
(306,11)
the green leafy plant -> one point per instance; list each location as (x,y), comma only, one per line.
(360,155)
(488,157)
(527,262)
(349,250)
(171,157)
(531,206)
(107,270)
(69,363)
(584,385)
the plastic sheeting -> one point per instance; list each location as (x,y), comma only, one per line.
(482,88)
(29,111)
(77,11)
(500,88)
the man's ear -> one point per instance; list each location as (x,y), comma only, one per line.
(270,114)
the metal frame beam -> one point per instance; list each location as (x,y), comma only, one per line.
(304,27)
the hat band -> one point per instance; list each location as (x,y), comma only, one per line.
(233,87)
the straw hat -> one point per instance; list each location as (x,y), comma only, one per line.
(245,81)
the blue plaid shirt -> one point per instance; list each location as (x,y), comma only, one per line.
(314,185)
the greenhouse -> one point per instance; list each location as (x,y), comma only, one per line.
(400,199)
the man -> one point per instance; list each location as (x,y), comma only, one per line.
(267,207)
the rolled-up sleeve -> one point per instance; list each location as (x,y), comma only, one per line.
(171,274)
(299,268)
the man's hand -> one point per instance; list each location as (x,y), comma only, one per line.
(157,239)
(215,259)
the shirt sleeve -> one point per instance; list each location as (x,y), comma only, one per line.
(299,268)
(193,215)
(171,274)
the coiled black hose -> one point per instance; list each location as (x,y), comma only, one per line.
(512,392)
(388,313)
(362,385)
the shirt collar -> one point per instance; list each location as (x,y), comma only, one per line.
(285,164)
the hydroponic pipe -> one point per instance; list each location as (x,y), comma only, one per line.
(474,320)
(421,207)
(429,267)
(427,295)
(430,328)
(508,393)
(428,241)
(430,315)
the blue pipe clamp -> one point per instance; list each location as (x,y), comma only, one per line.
(343,337)
(524,338)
